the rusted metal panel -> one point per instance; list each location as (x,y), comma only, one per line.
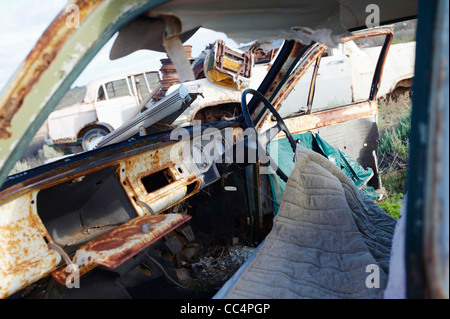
(309,122)
(313,54)
(24,254)
(122,243)
(21,230)
(54,63)
(80,165)
(232,62)
(376,31)
(132,171)
(279,96)
(37,62)
(309,58)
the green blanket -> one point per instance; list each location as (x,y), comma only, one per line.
(282,153)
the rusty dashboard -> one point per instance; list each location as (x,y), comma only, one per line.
(97,208)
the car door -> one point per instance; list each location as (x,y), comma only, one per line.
(323,107)
(118,104)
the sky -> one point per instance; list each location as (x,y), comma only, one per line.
(23,21)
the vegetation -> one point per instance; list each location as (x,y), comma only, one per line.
(392,204)
(36,156)
(73,96)
(394,125)
(395,142)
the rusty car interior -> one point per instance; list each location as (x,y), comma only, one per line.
(128,214)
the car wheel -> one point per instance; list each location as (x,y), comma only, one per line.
(91,135)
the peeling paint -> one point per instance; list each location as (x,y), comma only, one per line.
(117,246)
(24,255)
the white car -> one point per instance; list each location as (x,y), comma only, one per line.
(109,102)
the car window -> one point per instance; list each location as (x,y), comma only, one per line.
(101,94)
(333,85)
(142,86)
(145,83)
(153,79)
(117,88)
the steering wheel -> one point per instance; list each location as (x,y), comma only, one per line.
(271,132)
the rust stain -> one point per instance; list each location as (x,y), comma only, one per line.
(388,32)
(310,57)
(309,122)
(331,117)
(436,256)
(279,77)
(289,86)
(115,238)
(141,166)
(75,169)
(27,236)
(64,140)
(37,62)
(317,120)
(367,34)
(292,56)
(117,246)
(169,74)
(24,255)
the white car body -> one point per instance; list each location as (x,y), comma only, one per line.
(68,125)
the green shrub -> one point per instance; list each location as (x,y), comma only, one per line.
(395,141)
(394,182)
(392,204)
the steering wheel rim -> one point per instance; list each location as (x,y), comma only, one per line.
(280,123)
(262,98)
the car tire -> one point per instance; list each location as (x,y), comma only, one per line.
(91,135)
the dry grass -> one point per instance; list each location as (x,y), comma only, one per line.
(394,126)
(35,156)
(391,108)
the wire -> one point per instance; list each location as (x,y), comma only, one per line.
(73,267)
(164,272)
(60,251)
(255,188)
(146,206)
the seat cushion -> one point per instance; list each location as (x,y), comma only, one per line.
(329,240)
